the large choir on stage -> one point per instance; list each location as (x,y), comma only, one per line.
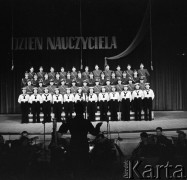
(111,91)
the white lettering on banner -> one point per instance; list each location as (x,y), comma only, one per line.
(64,43)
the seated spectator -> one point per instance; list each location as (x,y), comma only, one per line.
(181,144)
(103,153)
(160,139)
(145,148)
(3,146)
(164,145)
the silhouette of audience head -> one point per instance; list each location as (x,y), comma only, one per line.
(144,136)
(158,131)
(24,134)
(79,109)
(181,135)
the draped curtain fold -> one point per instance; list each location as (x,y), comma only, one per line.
(137,39)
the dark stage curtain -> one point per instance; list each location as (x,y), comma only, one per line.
(167,84)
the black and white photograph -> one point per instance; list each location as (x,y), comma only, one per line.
(93,89)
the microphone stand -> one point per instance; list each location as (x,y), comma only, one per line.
(44,135)
(108,128)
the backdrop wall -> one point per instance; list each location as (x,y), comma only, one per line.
(102,18)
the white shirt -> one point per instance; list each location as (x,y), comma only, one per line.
(92,97)
(57,98)
(69,98)
(149,93)
(46,97)
(126,95)
(79,97)
(23,98)
(103,96)
(114,96)
(35,98)
(137,94)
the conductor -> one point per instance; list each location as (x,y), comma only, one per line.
(79,147)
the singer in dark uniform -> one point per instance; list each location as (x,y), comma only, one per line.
(118,72)
(73,74)
(129,71)
(143,73)
(31,72)
(62,73)
(102,81)
(62,87)
(41,73)
(107,72)
(113,79)
(97,87)
(97,72)
(40,87)
(108,87)
(85,74)
(46,80)
(124,78)
(25,80)
(74,88)
(119,86)
(29,87)
(34,81)
(51,87)
(52,73)
(79,79)
(91,80)
(57,79)
(68,79)
(85,88)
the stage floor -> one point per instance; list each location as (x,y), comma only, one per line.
(169,120)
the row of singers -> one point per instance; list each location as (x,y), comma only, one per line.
(106,101)
(74,85)
(96,74)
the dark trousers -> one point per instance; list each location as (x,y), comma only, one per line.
(137,108)
(35,109)
(92,107)
(57,110)
(24,112)
(103,106)
(47,111)
(125,111)
(114,107)
(68,108)
(147,107)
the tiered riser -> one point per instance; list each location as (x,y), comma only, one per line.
(97,116)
